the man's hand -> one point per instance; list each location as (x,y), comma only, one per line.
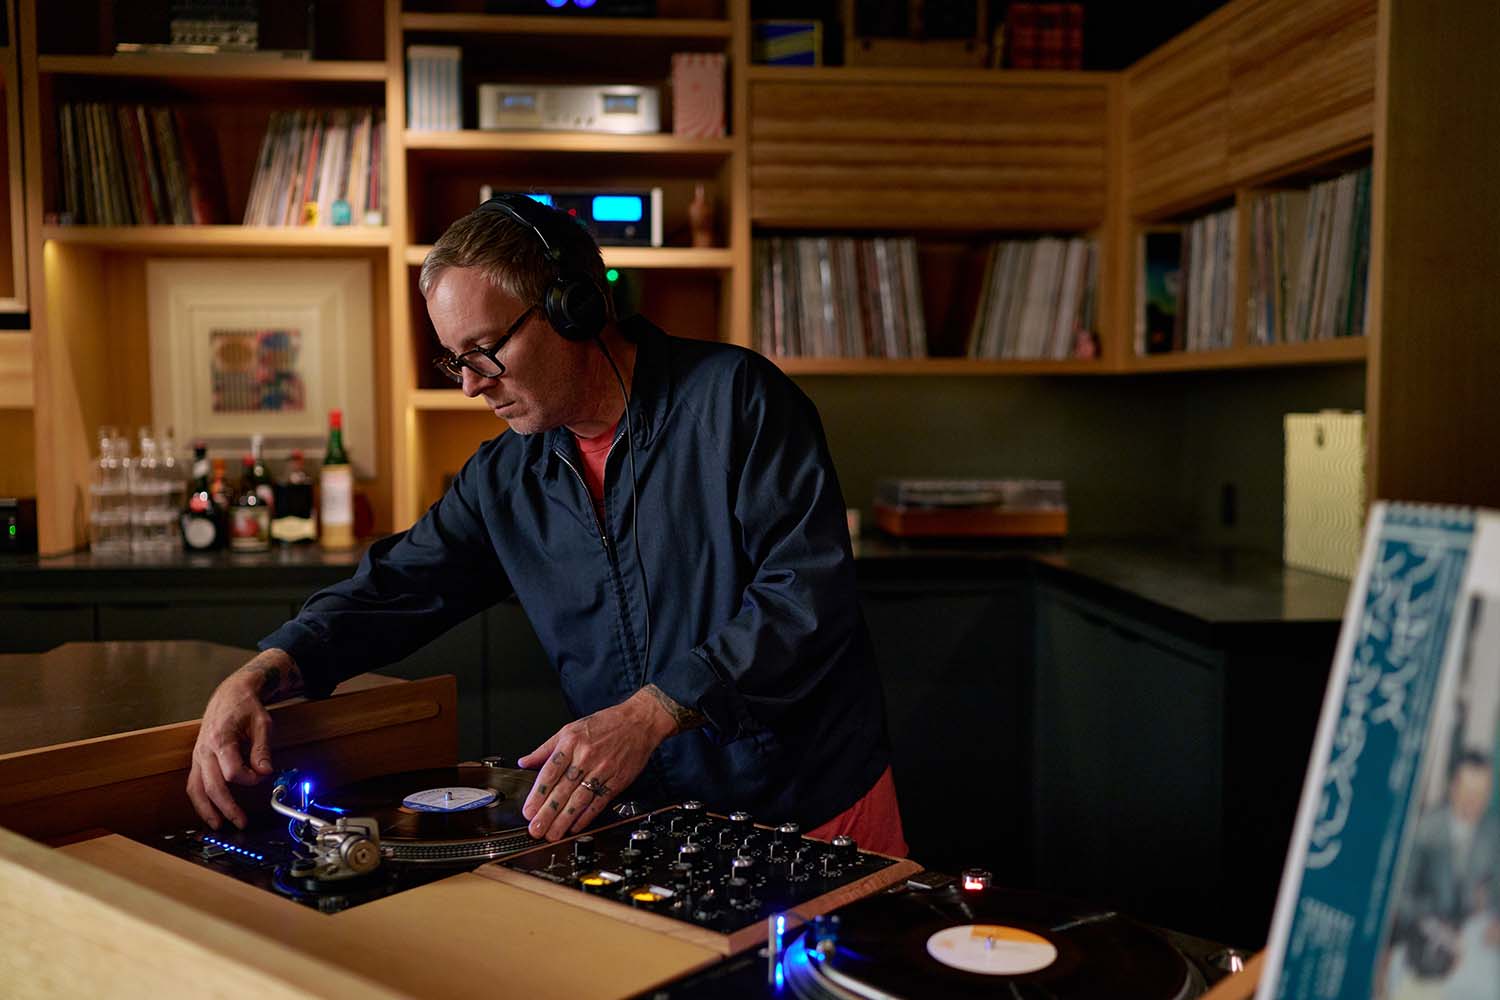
(236,716)
(589,762)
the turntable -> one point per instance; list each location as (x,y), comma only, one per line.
(371,838)
(936,936)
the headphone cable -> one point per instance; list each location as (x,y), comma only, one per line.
(635,501)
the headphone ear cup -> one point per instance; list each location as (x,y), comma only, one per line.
(576,309)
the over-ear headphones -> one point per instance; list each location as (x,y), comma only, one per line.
(574,303)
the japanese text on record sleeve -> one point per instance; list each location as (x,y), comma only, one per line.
(1357,829)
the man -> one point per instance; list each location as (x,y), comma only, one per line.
(693,588)
(1447,913)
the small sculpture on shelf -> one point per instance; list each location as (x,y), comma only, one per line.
(701,217)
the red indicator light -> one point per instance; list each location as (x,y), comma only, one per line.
(976,879)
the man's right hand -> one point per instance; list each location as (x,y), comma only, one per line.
(234,718)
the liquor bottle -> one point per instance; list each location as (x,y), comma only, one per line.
(250,517)
(201,528)
(292,517)
(336,487)
(218,489)
(264,488)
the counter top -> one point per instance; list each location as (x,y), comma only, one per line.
(1199,588)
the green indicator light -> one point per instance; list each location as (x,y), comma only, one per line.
(612,276)
(12,530)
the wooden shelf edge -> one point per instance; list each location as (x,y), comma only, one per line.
(481,141)
(916,76)
(1342,350)
(216,67)
(577,27)
(935,366)
(228,237)
(674,258)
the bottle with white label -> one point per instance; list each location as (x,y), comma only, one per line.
(336,490)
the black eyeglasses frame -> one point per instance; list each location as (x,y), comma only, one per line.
(452,365)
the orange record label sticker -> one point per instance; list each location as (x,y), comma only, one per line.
(450,799)
(991,949)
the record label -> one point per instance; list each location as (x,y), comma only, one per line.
(991,949)
(450,799)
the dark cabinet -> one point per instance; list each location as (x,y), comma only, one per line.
(36,628)
(229,623)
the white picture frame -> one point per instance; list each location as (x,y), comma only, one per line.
(202,311)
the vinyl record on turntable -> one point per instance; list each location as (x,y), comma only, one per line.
(448,814)
(990,943)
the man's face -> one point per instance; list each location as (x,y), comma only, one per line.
(544,373)
(1470,792)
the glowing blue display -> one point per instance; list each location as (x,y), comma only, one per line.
(617,208)
(544,199)
(233,849)
(584,4)
(555,4)
(780,978)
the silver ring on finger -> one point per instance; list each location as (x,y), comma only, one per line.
(594,785)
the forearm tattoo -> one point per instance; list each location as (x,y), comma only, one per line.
(686,718)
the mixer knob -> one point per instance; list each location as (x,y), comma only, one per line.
(642,840)
(693,807)
(845,850)
(741,867)
(741,819)
(691,855)
(680,874)
(631,860)
(786,832)
(583,850)
(703,829)
(776,851)
(829,867)
(726,840)
(796,871)
(677,824)
(750,843)
(740,892)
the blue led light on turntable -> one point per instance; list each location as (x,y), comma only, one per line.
(541,199)
(618,208)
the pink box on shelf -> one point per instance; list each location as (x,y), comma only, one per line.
(698,94)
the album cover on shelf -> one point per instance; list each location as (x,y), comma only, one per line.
(1392,883)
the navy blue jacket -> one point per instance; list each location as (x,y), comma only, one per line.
(754,616)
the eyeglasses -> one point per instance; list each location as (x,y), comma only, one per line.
(482,361)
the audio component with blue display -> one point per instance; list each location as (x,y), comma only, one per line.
(615,218)
(714,880)
(620,109)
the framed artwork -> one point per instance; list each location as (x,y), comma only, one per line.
(242,347)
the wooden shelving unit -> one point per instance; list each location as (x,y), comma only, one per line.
(1256,95)
(221,238)
(217,67)
(686,29)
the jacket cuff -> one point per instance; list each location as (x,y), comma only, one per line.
(690,680)
(309,652)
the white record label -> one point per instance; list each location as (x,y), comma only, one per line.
(450,799)
(991,949)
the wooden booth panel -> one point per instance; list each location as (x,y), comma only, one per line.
(1301,83)
(1177,128)
(890,155)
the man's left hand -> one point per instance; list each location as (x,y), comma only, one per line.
(585,764)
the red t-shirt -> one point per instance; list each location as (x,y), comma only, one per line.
(873,821)
(595,452)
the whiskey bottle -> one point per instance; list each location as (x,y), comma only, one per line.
(250,517)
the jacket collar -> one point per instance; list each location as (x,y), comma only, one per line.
(650,392)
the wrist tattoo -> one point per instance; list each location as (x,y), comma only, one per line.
(685,718)
(277,683)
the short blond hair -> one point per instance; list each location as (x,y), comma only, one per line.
(509,253)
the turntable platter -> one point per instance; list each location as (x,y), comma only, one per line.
(469,812)
(993,943)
